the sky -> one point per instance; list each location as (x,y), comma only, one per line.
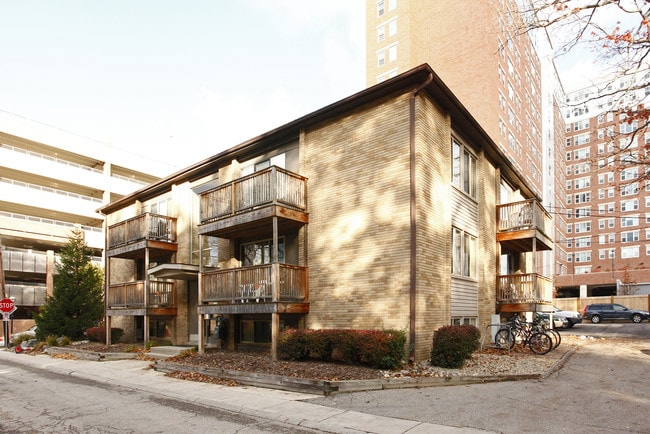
(175,80)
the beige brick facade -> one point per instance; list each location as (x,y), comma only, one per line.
(380,204)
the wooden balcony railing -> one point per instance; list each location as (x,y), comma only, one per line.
(254,284)
(270,186)
(524,288)
(143,227)
(131,295)
(527,214)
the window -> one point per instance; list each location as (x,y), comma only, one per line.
(583,256)
(583,182)
(464,253)
(392,27)
(582,227)
(255,331)
(463,320)
(381,58)
(630,252)
(628,221)
(463,169)
(629,205)
(629,237)
(259,252)
(380,8)
(583,242)
(392,53)
(584,269)
(381,33)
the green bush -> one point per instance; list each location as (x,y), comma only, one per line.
(377,348)
(383,349)
(322,343)
(293,344)
(64,341)
(52,341)
(452,345)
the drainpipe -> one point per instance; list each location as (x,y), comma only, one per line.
(412,186)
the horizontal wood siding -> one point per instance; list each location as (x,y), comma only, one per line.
(464,297)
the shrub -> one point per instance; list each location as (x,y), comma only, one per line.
(322,343)
(64,341)
(383,349)
(293,344)
(21,339)
(52,341)
(377,348)
(452,345)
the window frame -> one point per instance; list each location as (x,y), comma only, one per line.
(464,178)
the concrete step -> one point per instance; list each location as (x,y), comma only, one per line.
(165,351)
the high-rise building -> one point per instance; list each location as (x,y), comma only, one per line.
(52,182)
(478,50)
(607,201)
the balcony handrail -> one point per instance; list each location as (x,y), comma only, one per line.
(273,185)
(24,261)
(522,215)
(27,295)
(524,288)
(147,226)
(254,283)
(131,294)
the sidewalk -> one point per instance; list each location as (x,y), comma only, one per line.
(281,406)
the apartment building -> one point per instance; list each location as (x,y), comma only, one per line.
(387,209)
(52,182)
(607,200)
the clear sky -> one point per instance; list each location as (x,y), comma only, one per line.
(177,80)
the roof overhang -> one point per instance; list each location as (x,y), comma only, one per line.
(175,271)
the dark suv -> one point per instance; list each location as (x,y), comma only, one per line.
(609,311)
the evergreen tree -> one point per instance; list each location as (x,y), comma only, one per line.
(77,299)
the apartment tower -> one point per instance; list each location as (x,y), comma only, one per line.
(477,50)
(607,197)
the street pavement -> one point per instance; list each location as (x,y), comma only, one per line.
(602,387)
(275,405)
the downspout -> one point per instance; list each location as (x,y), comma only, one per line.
(412,186)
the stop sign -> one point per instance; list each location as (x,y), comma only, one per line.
(7,305)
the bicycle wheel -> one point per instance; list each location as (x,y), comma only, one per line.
(504,339)
(557,337)
(540,343)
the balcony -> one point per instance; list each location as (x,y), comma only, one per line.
(24,262)
(252,290)
(524,226)
(27,295)
(129,238)
(247,205)
(522,292)
(129,298)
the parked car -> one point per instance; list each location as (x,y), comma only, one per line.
(31,332)
(27,345)
(572,317)
(612,311)
(558,322)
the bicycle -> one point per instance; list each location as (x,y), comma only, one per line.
(543,325)
(538,341)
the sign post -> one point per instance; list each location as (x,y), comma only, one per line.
(7,307)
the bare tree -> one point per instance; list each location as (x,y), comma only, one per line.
(615,33)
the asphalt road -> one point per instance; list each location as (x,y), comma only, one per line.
(619,329)
(603,388)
